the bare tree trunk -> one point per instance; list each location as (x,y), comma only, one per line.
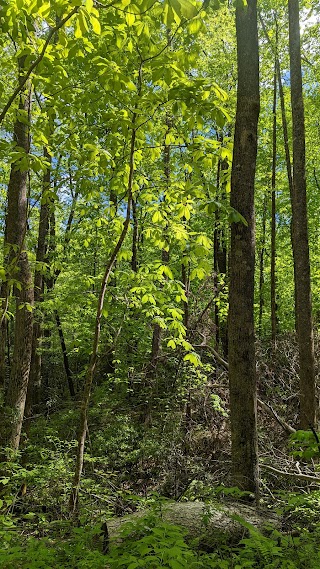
(3,334)
(242,368)
(66,365)
(273,202)
(43,231)
(261,264)
(300,242)
(135,237)
(220,260)
(18,268)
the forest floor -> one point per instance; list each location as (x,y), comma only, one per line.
(176,458)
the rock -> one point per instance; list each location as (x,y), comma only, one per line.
(213,524)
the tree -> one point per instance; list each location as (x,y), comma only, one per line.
(242,372)
(18,268)
(300,241)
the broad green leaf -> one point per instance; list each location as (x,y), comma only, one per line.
(188,9)
(83,22)
(193,358)
(195,26)
(78,32)
(130,18)
(44,9)
(157,216)
(95,25)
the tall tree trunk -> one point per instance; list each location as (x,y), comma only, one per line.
(261,264)
(242,368)
(18,268)
(66,365)
(273,203)
(304,324)
(165,256)
(220,260)
(41,255)
(135,237)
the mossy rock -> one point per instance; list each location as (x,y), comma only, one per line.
(212,525)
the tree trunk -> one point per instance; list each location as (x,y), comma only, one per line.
(43,232)
(156,335)
(66,365)
(300,243)
(261,264)
(135,237)
(242,370)
(220,261)
(74,495)
(19,269)
(273,203)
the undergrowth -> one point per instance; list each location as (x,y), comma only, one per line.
(151,543)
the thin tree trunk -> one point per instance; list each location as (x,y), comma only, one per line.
(74,496)
(3,336)
(304,324)
(65,355)
(43,231)
(242,368)
(261,264)
(135,237)
(283,109)
(220,260)
(156,335)
(273,203)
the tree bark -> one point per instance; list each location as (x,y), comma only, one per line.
(242,368)
(273,202)
(220,260)
(18,268)
(261,264)
(300,242)
(41,255)
(66,365)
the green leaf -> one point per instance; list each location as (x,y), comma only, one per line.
(193,358)
(157,217)
(78,32)
(188,10)
(130,19)
(195,26)
(44,9)
(83,22)
(95,25)
(171,344)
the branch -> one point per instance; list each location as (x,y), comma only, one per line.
(292,474)
(24,79)
(266,407)
(203,312)
(216,355)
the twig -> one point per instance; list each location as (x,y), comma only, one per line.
(25,78)
(292,474)
(266,407)
(215,353)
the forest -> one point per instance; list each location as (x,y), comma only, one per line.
(159,284)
